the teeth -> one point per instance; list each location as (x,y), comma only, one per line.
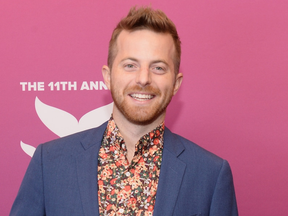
(141,96)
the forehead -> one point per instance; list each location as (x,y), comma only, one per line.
(145,44)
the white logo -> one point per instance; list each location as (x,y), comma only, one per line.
(63,123)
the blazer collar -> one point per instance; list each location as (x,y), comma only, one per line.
(172,143)
(94,136)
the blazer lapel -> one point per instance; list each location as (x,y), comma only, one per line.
(87,167)
(171,174)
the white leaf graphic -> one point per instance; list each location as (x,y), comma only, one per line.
(28,149)
(95,117)
(63,123)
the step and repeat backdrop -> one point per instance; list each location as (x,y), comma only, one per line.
(233,100)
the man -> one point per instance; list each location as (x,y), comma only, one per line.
(132,164)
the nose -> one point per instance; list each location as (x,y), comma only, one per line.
(143,77)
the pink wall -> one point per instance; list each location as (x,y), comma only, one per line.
(234,95)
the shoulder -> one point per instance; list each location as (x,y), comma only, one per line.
(196,150)
(201,165)
(194,155)
(74,143)
(206,180)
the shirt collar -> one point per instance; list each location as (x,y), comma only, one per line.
(150,142)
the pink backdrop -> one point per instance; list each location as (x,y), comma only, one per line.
(233,100)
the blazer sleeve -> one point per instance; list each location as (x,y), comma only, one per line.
(30,197)
(224,199)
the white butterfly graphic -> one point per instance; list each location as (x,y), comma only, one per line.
(63,123)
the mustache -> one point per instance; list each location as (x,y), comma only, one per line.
(143,89)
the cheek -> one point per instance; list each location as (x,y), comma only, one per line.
(115,80)
(166,85)
(119,84)
(122,78)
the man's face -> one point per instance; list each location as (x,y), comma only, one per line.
(142,79)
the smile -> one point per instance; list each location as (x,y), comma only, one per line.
(142,97)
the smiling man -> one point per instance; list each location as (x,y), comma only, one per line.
(132,164)
(142,80)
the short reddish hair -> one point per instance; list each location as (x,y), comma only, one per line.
(145,18)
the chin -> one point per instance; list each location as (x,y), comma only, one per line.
(143,118)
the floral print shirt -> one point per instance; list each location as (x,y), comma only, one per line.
(129,188)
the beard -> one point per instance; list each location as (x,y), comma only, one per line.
(137,114)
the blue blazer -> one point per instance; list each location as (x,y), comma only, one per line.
(62,179)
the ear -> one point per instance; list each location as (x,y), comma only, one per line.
(178,81)
(106,73)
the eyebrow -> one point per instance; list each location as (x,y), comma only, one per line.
(132,59)
(160,61)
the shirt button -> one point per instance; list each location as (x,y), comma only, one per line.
(121,210)
(127,174)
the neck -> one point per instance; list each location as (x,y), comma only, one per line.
(132,132)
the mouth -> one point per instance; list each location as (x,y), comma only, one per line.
(142,97)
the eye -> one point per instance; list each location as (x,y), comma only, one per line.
(158,70)
(129,67)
